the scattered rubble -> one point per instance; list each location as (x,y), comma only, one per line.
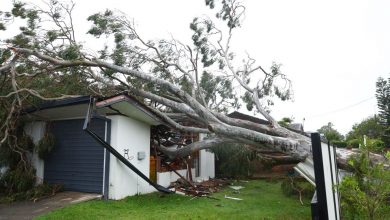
(199,189)
(236,188)
(233,198)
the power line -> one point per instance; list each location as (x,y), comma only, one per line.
(342,109)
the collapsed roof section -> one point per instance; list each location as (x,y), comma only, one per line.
(306,169)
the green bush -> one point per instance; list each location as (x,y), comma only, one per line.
(233,160)
(364,193)
(14,155)
(376,145)
(292,187)
(17,180)
(43,190)
(34,193)
(340,144)
(354,143)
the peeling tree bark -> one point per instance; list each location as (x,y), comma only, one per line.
(287,141)
(177,103)
(222,128)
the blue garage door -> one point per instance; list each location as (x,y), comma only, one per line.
(77,160)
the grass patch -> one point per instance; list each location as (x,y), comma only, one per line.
(261,200)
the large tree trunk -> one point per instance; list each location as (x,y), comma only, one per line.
(222,129)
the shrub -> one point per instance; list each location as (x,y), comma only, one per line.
(233,160)
(17,180)
(376,145)
(14,155)
(34,193)
(364,193)
(354,143)
(43,190)
(340,144)
(297,187)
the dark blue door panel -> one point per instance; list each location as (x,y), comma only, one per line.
(77,160)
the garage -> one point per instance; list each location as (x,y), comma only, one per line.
(77,160)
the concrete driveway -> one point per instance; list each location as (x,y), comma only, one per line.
(28,209)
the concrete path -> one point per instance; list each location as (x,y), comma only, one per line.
(28,209)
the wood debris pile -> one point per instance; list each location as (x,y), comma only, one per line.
(204,188)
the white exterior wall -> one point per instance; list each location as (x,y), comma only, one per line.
(207,162)
(128,133)
(166,178)
(207,165)
(36,130)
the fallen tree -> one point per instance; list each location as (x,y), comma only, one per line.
(197,81)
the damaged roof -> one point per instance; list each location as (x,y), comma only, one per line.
(127,105)
(239,115)
(76,107)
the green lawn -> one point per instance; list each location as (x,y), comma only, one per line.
(261,200)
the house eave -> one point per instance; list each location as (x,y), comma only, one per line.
(116,104)
(58,103)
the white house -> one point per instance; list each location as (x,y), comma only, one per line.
(81,163)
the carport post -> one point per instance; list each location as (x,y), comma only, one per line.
(321,208)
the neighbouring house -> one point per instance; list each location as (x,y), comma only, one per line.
(296,127)
(80,163)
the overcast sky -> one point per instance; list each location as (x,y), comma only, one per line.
(333,50)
